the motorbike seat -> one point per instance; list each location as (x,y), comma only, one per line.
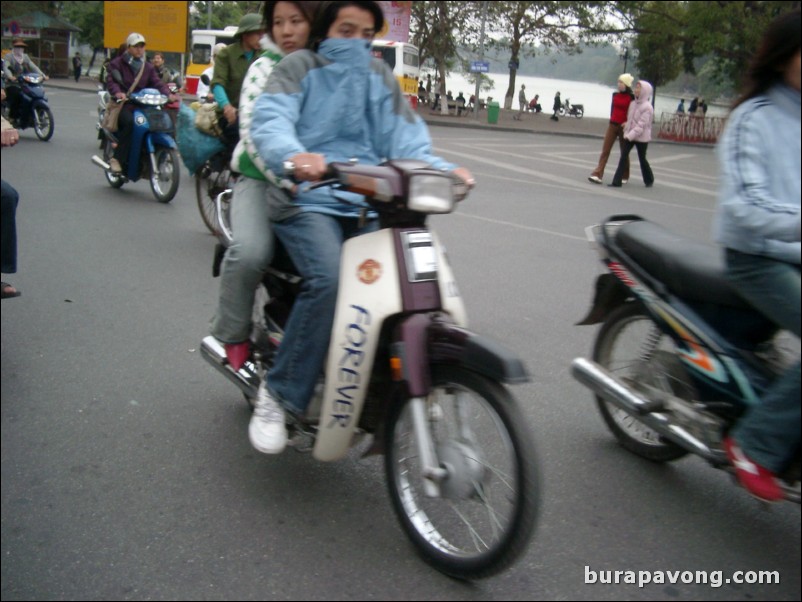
(691,270)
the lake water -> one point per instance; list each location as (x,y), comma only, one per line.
(595,97)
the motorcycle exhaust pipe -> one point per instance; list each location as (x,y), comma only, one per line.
(100,163)
(246,378)
(612,389)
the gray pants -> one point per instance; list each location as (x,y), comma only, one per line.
(246,260)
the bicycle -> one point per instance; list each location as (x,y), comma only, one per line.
(213,177)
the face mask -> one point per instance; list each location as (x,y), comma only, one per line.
(355,51)
(18,53)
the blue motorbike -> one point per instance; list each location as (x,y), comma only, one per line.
(32,108)
(153,152)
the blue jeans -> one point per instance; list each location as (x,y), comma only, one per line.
(314,242)
(8,240)
(769,433)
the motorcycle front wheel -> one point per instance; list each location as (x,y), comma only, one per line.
(43,124)
(484,515)
(164,182)
(631,347)
(210,182)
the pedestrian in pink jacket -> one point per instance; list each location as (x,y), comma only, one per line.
(638,133)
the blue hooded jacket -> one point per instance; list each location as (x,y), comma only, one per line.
(341,103)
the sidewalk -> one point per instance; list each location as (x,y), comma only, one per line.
(533,123)
(536,123)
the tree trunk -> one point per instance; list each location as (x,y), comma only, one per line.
(510,90)
(443,99)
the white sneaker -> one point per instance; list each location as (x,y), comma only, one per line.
(624,181)
(267,430)
(595,179)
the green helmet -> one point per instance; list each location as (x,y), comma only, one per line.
(248,23)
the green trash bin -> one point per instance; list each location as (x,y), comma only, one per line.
(492,112)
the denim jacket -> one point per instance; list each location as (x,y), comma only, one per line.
(759,156)
(343,104)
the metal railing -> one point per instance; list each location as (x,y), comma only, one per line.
(690,128)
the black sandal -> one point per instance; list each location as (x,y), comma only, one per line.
(6,291)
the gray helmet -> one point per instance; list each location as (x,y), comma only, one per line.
(248,23)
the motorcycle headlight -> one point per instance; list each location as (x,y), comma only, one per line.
(155,100)
(431,193)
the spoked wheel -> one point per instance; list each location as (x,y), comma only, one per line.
(209,183)
(164,182)
(579,113)
(114,180)
(484,514)
(43,123)
(631,347)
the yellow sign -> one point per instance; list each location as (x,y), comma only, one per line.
(164,24)
(408,85)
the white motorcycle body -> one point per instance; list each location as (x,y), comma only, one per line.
(370,292)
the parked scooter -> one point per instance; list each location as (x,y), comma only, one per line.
(153,152)
(572,110)
(459,459)
(32,110)
(680,355)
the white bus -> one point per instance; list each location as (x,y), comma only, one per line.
(203,40)
(403,59)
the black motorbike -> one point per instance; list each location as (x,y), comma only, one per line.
(680,355)
(572,110)
(32,109)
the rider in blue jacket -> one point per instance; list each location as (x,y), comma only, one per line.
(758,223)
(334,104)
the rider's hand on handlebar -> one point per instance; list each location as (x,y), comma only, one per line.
(119,95)
(466,176)
(230,113)
(309,166)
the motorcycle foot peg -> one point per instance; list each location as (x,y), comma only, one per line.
(650,407)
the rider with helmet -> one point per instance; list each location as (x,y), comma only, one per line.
(16,63)
(128,65)
(230,68)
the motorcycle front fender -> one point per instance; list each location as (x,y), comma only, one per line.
(610,293)
(156,139)
(451,344)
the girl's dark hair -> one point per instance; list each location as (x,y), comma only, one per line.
(780,43)
(327,15)
(308,9)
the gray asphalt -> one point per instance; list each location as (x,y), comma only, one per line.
(126,469)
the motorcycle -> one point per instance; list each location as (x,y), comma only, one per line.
(572,110)
(152,152)
(680,355)
(458,458)
(33,110)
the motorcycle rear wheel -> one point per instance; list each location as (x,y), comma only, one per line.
(43,124)
(579,113)
(164,183)
(621,347)
(208,184)
(486,512)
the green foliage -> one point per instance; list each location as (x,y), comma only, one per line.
(660,47)
(89,17)
(223,13)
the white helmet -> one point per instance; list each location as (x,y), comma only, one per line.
(135,38)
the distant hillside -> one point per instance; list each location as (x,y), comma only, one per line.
(598,64)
